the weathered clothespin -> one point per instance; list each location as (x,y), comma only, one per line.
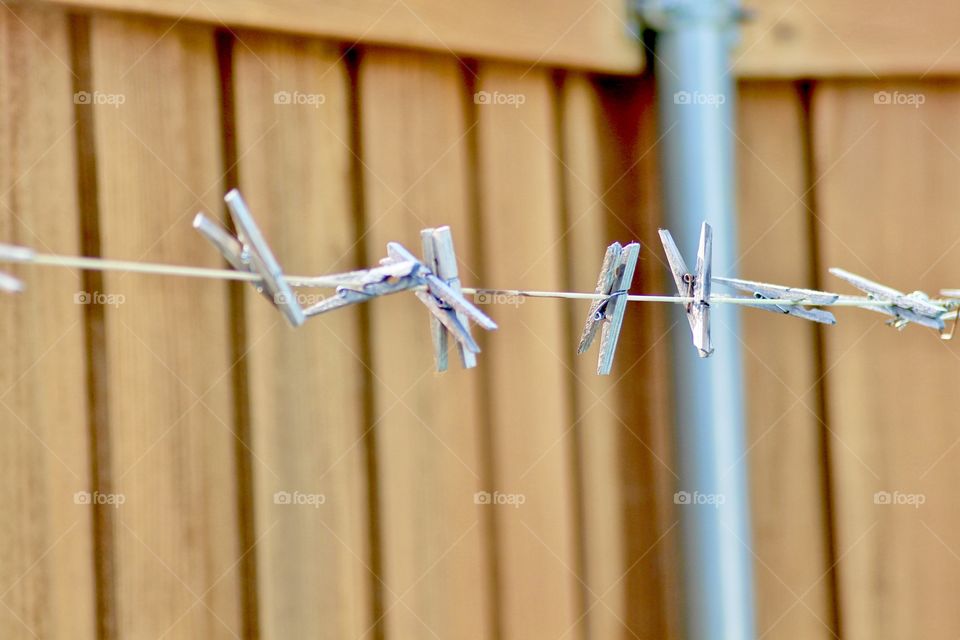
(440,257)
(765,291)
(916,307)
(616,274)
(360,286)
(249,252)
(694,285)
(446,304)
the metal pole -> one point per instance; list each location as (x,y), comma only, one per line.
(696,99)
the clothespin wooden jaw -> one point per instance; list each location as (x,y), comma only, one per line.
(249,251)
(607,313)
(441,259)
(695,285)
(445,301)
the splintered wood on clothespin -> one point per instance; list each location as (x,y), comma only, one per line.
(694,285)
(607,313)
(249,251)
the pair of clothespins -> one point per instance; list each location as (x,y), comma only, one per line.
(450,311)
(436,284)
(607,313)
(248,251)
(616,274)
(694,284)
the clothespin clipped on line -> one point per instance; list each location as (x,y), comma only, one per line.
(765,291)
(248,251)
(445,302)
(360,286)
(694,285)
(436,284)
(616,274)
(439,254)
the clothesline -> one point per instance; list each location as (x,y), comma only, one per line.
(24,255)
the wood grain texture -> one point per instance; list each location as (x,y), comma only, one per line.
(888,208)
(47,587)
(572,33)
(597,425)
(531,426)
(790,544)
(305,384)
(436,567)
(638,392)
(820,38)
(170,410)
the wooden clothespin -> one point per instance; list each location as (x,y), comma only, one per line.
(694,285)
(440,257)
(616,275)
(446,304)
(249,251)
(360,286)
(766,291)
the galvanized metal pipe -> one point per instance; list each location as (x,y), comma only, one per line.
(696,105)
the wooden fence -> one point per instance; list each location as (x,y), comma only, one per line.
(257,481)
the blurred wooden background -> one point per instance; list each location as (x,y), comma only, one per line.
(347,125)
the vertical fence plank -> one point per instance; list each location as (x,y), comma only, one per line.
(519,189)
(638,391)
(435,563)
(790,532)
(170,414)
(887,198)
(602,518)
(47,582)
(305,385)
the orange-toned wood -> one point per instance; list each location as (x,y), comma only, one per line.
(436,564)
(574,33)
(530,420)
(305,384)
(785,454)
(887,202)
(157,143)
(820,38)
(47,586)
